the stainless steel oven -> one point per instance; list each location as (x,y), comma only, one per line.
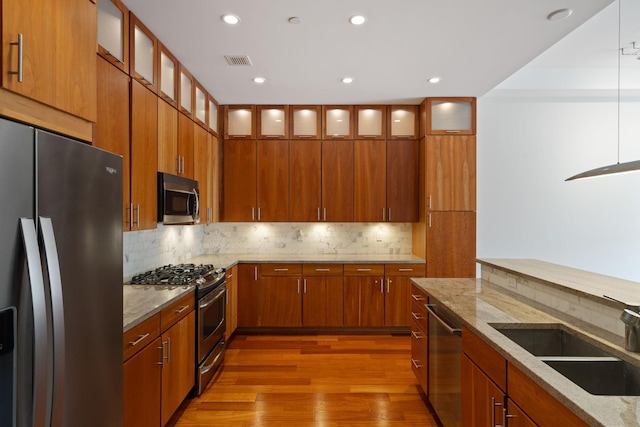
(211,326)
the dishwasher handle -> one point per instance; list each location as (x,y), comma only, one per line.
(451,329)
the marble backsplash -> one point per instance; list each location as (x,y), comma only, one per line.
(144,250)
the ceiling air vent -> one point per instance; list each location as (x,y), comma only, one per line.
(238,60)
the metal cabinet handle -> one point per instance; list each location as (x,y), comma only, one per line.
(383,215)
(452,330)
(258,214)
(405,269)
(280,269)
(139,340)
(417,297)
(253,214)
(389,214)
(382,285)
(161,348)
(325,214)
(416,335)
(416,364)
(178,163)
(168,350)
(318,214)
(298,285)
(388,285)
(20,44)
(416,315)
(305,285)
(182,309)
(323,269)
(493,412)
(364,269)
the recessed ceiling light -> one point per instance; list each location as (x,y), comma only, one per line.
(358,19)
(230,19)
(294,20)
(559,14)
(259,80)
(347,80)
(434,79)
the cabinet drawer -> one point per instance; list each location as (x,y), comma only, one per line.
(419,313)
(487,359)
(322,270)
(409,270)
(136,338)
(364,269)
(418,336)
(177,310)
(281,269)
(419,367)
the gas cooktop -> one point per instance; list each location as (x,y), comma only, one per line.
(181,274)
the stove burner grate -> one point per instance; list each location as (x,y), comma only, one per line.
(181,274)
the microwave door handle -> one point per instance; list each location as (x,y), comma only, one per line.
(197,206)
(40,338)
(57,314)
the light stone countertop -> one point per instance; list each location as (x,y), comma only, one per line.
(140,302)
(477,304)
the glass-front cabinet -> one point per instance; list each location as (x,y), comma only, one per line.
(450,116)
(143,54)
(113,33)
(201,104)
(338,122)
(305,121)
(403,122)
(168,69)
(370,121)
(213,115)
(272,121)
(185,91)
(239,121)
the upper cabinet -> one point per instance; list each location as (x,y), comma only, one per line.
(305,121)
(168,78)
(144,48)
(239,121)
(272,121)
(49,55)
(113,33)
(200,101)
(402,122)
(186,89)
(213,115)
(370,121)
(442,116)
(338,122)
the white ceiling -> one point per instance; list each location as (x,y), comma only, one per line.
(472,45)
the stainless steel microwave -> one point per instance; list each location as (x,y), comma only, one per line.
(178,201)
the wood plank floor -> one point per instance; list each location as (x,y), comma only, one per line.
(311,380)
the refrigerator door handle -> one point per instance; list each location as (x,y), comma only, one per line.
(57,314)
(40,338)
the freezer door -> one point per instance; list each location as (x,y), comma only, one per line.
(80,197)
(16,201)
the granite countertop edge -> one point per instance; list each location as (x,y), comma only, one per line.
(477,304)
(141,302)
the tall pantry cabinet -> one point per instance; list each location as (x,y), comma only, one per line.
(446,232)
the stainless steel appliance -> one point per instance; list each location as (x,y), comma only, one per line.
(178,201)
(445,354)
(60,281)
(211,290)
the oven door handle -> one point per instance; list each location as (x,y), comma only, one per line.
(451,329)
(209,299)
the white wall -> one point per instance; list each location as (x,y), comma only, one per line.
(527,147)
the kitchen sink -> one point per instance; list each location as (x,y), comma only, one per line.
(592,368)
(550,339)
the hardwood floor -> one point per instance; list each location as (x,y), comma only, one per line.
(311,380)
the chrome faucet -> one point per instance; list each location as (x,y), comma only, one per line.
(631,318)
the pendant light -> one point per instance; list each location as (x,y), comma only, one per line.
(616,167)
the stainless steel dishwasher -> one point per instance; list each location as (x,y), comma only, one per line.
(445,352)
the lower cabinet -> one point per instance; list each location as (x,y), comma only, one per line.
(322,295)
(364,295)
(495,392)
(248,314)
(280,295)
(159,364)
(397,304)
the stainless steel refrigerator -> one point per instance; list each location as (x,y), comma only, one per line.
(60,281)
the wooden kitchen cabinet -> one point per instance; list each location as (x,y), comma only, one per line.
(305,121)
(201,107)
(337,181)
(322,295)
(186,91)
(444,116)
(337,122)
(280,295)
(482,399)
(231,314)
(364,295)
(272,121)
(515,417)
(185,145)
(397,300)
(213,115)
(113,33)
(143,50)
(58,48)
(239,121)
(249,295)
(419,337)
(272,180)
(144,158)
(240,180)
(305,180)
(370,121)
(111,132)
(451,172)
(168,160)
(167,76)
(402,181)
(402,122)
(142,378)
(215,181)
(202,153)
(451,244)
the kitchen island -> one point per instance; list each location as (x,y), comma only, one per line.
(478,304)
